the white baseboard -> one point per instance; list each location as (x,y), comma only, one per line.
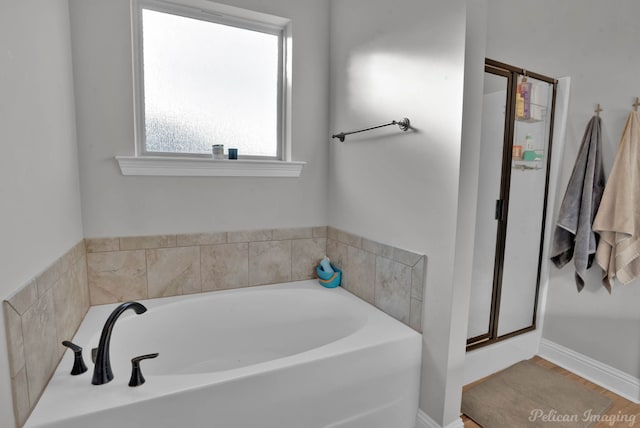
(606,376)
(424,421)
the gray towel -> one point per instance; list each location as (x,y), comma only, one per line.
(573,236)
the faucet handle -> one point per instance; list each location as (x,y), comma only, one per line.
(136,373)
(78,363)
(94,354)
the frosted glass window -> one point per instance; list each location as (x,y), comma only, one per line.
(209,83)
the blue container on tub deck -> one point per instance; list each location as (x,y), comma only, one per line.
(329,279)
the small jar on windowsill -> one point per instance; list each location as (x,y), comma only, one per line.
(217,150)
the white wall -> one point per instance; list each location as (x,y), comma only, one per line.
(115,205)
(594,43)
(390,60)
(39,190)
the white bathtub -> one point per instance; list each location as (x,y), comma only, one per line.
(292,355)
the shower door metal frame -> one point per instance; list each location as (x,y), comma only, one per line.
(502,204)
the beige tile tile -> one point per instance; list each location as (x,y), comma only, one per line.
(348,238)
(79,250)
(83,283)
(65,262)
(292,233)
(191,239)
(305,256)
(100,245)
(15,344)
(360,273)
(224,266)
(41,345)
(49,276)
(337,253)
(405,257)
(117,276)
(67,259)
(269,262)
(332,233)
(69,302)
(377,248)
(393,288)
(415,316)
(320,232)
(64,305)
(24,297)
(173,271)
(147,242)
(417,279)
(249,235)
(20,392)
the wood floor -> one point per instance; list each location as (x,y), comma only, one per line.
(621,406)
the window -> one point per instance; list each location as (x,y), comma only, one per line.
(205,76)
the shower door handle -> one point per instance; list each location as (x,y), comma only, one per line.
(499,209)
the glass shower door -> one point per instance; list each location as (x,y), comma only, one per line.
(527,207)
(494,111)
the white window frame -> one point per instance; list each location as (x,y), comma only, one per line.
(226,15)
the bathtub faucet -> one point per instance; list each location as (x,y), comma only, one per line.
(102,371)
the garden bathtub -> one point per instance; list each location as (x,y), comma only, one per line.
(292,355)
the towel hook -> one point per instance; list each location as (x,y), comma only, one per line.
(636,104)
(598,110)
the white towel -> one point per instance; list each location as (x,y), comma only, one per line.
(618,218)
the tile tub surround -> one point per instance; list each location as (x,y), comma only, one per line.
(141,267)
(388,277)
(38,316)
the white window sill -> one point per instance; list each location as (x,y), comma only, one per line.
(202,167)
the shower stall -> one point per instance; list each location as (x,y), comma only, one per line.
(513,186)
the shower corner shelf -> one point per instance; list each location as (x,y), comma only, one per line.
(518,119)
(524,165)
(542,114)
